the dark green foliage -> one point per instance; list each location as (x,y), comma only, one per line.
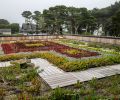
(2,26)
(14,28)
(4,22)
(73,19)
(61,19)
(54,18)
(27,15)
(116,24)
(64,94)
(109,18)
(23,65)
(36,17)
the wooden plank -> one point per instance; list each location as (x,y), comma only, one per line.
(60,79)
(96,74)
(108,72)
(63,84)
(115,67)
(82,77)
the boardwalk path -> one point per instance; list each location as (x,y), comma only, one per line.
(56,77)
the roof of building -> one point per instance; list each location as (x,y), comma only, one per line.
(28,26)
(5,30)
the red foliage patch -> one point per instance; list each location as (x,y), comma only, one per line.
(66,50)
(8,48)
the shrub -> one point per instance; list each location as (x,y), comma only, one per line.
(58,94)
(64,94)
(78,84)
(90,63)
(93,83)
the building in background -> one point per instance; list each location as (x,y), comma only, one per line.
(99,31)
(5,31)
(28,28)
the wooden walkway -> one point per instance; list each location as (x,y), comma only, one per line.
(55,77)
(5,64)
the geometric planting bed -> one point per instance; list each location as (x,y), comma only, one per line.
(46,46)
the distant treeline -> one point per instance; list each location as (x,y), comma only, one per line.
(4,24)
(109,17)
(62,19)
(73,20)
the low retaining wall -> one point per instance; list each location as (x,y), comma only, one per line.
(26,38)
(110,40)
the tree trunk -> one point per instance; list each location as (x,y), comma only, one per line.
(86,28)
(73,26)
(36,29)
(76,29)
(61,33)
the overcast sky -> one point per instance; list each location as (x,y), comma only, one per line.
(12,9)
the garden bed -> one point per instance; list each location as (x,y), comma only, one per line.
(64,63)
(24,84)
(46,46)
(107,88)
(68,48)
(18,83)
